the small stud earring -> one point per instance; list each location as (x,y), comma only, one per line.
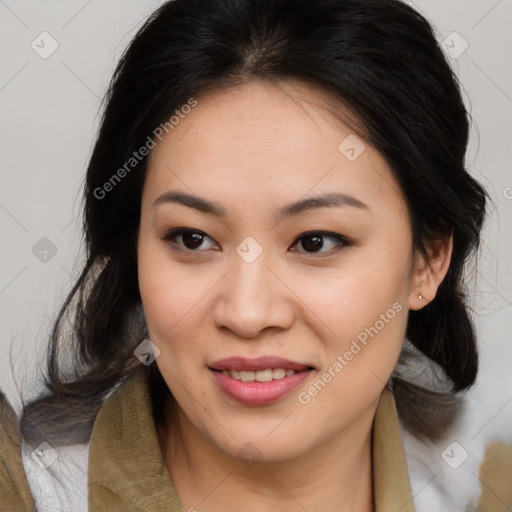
(420,296)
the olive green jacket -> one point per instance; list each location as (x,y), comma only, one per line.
(15,494)
(126,471)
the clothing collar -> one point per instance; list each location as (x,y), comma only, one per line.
(127,471)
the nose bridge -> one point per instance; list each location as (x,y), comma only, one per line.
(251,274)
(251,279)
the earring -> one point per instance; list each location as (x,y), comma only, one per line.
(420,296)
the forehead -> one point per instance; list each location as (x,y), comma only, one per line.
(277,141)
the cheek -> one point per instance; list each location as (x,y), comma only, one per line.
(350,299)
(168,294)
(364,326)
(364,316)
(359,350)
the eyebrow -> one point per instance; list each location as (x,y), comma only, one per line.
(326,200)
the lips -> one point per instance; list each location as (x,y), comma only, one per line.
(258,381)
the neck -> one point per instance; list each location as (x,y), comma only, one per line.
(334,476)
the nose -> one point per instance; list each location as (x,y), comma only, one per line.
(253,297)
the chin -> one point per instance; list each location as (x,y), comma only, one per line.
(252,449)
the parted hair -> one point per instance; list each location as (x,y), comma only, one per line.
(382,60)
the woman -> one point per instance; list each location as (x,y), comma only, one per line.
(277,221)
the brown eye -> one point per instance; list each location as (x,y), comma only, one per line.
(191,239)
(314,241)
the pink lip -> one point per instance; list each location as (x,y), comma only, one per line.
(258,363)
(256,393)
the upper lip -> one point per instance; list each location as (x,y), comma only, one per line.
(258,363)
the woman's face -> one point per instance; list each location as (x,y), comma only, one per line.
(246,281)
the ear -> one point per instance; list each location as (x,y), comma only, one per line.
(428,274)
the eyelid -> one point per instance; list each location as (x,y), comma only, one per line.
(342,241)
(176,232)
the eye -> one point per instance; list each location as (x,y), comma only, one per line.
(313,241)
(191,239)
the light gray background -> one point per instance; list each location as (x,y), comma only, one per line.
(48,120)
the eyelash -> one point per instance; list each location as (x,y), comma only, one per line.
(341,241)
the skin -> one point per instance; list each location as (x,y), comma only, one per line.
(253,149)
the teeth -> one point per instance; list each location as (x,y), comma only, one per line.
(260,375)
(264,375)
(247,376)
(278,373)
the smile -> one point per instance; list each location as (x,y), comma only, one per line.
(261,375)
(263,380)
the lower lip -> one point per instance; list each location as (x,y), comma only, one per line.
(255,393)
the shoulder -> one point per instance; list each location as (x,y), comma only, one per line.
(15,493)
(496,477)
(57,476)
(462,471)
